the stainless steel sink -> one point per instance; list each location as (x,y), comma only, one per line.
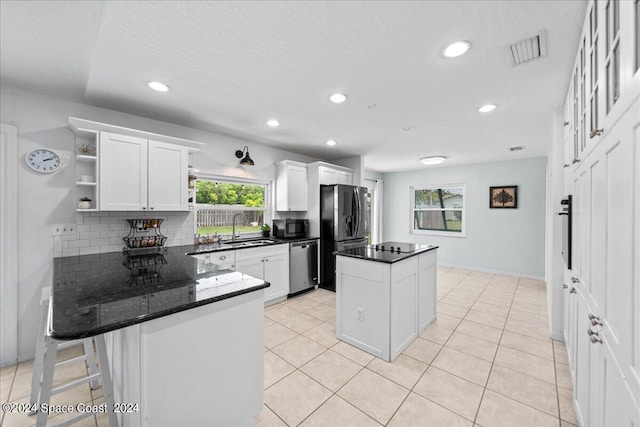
(245,243)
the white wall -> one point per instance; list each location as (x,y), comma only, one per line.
(46,199)
(511,241)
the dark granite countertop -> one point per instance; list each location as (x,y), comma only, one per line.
(248,243)
(386,255)
(93,294)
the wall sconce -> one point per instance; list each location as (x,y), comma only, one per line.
(247,161)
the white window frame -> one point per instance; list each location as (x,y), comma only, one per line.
(268,199)
(412,198)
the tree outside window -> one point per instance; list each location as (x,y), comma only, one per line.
(438,210)
(217,202)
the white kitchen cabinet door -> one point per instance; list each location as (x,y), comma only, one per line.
(327,176)
(276,272)
(123,173)
(253,267)
(343,177)
(168,176)
(291,186)
(426,289)
(330,176)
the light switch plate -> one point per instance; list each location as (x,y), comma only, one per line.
(63,229)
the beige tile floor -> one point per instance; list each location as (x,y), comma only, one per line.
(486,361)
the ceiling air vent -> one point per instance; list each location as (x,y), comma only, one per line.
(517,148)
(529,49)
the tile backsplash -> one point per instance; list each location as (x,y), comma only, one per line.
(101,232)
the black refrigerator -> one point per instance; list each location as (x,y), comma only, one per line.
(343,225)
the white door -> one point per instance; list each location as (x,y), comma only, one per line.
(8,245)
(168,177)
(123,172)
(276,272)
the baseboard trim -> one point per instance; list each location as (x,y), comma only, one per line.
(489,270)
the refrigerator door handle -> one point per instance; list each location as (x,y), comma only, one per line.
(359,211)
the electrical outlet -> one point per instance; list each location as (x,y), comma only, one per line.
(63,229)
(359,313)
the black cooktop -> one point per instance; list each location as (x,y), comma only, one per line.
(397,247)
(387,252)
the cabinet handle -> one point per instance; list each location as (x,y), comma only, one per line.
(596,132)
(144,208)
(595,339)
(223,257)
(575,161)
(564,286)
(152,208)
(595,320)
(591,332)
(572,290)
(575,280)
(266,260)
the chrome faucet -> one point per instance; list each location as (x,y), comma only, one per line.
(233,225)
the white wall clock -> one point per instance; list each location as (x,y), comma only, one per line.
(43,160)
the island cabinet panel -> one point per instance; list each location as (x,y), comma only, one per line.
(404,306)
(382,307)
(197,367)
(362,315)
(427,289)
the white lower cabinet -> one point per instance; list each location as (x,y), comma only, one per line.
(269,263)
(199,367)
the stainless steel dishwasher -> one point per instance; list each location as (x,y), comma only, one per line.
(303,265)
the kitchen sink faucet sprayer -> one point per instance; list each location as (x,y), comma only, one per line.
(233,225)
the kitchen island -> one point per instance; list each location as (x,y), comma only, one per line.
(184,337)
(385,296)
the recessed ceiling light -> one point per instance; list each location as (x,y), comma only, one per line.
(160,87)
(457,49)
(433,160)
(273,123)
(331,142)
(338,98)
(487,108)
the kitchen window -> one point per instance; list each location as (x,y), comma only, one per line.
(217,202)
(438,210)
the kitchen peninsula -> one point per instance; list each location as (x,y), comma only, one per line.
(184,337)
(385,296)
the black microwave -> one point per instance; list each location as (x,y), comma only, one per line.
(290,227)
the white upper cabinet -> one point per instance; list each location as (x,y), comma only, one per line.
(137,174)
(329,175)
(123,172)
(291,186)
(168,177)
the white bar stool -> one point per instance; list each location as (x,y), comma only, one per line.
(45,363)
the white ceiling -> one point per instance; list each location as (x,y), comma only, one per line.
(231,66)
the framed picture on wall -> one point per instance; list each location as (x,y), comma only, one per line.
(505,197)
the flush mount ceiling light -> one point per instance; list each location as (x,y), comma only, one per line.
(487,108)
(457,49)
(331,142)
(247,161)
(433,160)
(338,98)
(273,123)
(160,87)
